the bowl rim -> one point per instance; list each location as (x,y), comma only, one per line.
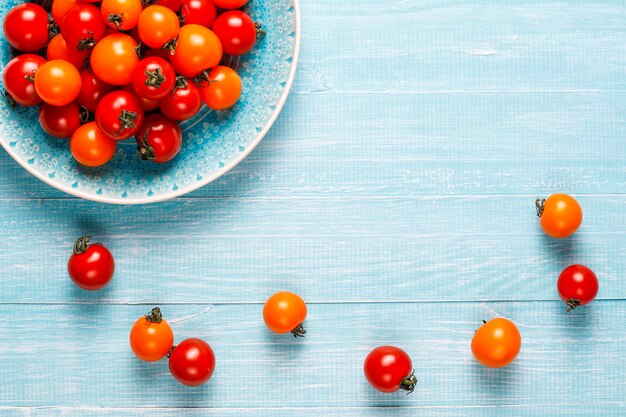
(205,181)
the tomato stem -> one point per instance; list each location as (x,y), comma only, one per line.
(540,204)
(171,350)
(408,382)
(181,82)
(155,78)
(203,79)
(81,245)
(572,303)
(87,43)
(31,77)
(146,152)
(127,120)
(171,46)
(260,32)
(53,28)
(155,316)
(298,331)
(84,114)
(116,19)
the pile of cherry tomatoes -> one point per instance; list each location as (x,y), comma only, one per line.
(109,70)
(387,368)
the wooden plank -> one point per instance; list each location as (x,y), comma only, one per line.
(69,356)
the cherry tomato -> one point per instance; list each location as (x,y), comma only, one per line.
(285,312)
(61,7)
(192,362)
(577,286)
(92,91)
(223,88)
(388,369)
(198,12)
(60,122)
(58,49)
(121,14)
(197,49)
(184,102)
(82,26)
(119,114)
(158,26)
(151,338)
(230,4)
(560,215)
(91,147)
(26,27)
(91,266)
(114,59)
(237,32)
(18,79)
(496,343)
(159,139)
(58,82)
(154,78)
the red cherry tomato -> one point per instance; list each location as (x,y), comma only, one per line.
(173,5)
(192,362)
(388,369)
(223,88)
(92,91)
(91,147)
(26,27)
(158,26)
(197,49)
(184,102)
(82,26)
(154,78)
(159,139)
(577,286)
(58,49)
(237,32)
(61,7)
(121,14)
(114,59)
(20,88)
(60,122)
(119,114)
(58,82)
(91,266)
(230,4)
(198,12)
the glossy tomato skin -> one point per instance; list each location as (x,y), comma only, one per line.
(223,90)
(121,14)
(22,90)
(159,139)
(151,337)
(157,26)
(236,31)
(560,215)
(91,147)
(183,102)
(230,4)
(199,12)
(26,27)
(60,8)
(119,114)
(154,78)
(197,49)
(285,312)
(173,5)
(192,362)
(114,59)
(577,286)
(60,122)
(91,267)
(82,26)
(58,82)
(496,343)
(58,49)
(92,91)
(388,369)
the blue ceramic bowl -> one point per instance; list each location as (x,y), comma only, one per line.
(214,142)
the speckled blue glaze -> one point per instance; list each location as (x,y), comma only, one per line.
(214,142)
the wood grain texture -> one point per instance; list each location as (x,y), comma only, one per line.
(395,194)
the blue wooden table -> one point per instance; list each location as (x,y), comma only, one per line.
(395,194)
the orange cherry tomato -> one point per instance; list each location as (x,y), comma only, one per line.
(91,147)
(57,49)
(284,312)
(223,88)
(151,338)
(197,49)
(560,215)
(496,343)
(158,26)
(121,14)
(114,59)
(61,7)
(58,82)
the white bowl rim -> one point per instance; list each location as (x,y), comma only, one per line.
(182,190)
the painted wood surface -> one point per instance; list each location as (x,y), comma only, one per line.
(395,194)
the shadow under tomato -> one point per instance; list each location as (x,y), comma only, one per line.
(497,382)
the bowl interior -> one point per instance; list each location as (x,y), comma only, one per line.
(213,142)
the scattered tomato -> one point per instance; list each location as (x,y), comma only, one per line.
(577,286)
(192,362)
(151,337)
(388,369)
(560,215)
(285,312)
(91,266)
(496,343)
